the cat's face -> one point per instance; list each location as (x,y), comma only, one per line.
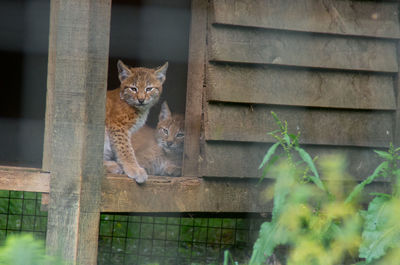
(170,133)
(141,87)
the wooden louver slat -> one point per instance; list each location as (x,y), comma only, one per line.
(241,122)
(267,85)
(255,46)
(357,18)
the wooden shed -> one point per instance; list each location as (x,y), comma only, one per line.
(328,67)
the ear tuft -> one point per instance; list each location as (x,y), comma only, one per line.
(165,113)
(161,72)
(123,71)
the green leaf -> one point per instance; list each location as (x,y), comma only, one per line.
(307,158)
(381,229)
(268,166)
(226,257)
(25,250)
(268,155)
(286,138)
(293,136)
(381,194)
(270,236)
(384,155)
(361,186)
(283,186)
(274,132)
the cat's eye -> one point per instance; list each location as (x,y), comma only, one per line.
(148,89)
(133,89)
(179,135)
(165,131)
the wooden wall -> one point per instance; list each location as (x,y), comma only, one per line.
(327,67)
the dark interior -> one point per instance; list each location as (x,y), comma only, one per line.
(143,33)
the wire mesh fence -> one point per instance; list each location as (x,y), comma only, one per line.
(142,239)
(20,212)
(127,239)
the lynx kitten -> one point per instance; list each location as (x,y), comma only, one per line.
(160,150)
(162,155)
(127,109)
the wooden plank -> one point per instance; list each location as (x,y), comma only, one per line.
(24,179)
(194,92)
(358,18)
(184,194)
(241,160)
(269,85)
(77,112)
(396,140)
(240,122)
(48,129)
(259,46)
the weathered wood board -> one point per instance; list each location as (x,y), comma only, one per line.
(169,194)
(250,123)
(397,89)
(281,86)
(24,179)
(358,18)
(241,160)
(194,91)
(259,46)
(79,40)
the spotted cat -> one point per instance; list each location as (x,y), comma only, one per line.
(127,109)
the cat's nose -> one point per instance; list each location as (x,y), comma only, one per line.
(169,144)
(140,100)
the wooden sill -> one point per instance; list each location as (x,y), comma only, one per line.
(161,194)
(158,194)
(24,179)
(181,194)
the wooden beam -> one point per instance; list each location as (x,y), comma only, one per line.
(300,87)
(194,93)
(24,179)
(192,194)
(250,123)
(182,194)
(79,40)
(163,194)
(260,46)
(48,129)
(357,18)
(396,140)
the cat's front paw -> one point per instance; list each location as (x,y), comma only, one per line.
(136,173)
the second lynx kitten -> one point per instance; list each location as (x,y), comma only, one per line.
(159,150)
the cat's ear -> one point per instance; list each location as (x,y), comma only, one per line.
(161,72)
(123,71)
(165,113)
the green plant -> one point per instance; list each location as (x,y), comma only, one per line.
(302,214)
(290,144)
(319,223)
(25,250)
(381,230)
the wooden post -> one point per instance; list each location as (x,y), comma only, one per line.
(194,94)
(396,137)
(78,62)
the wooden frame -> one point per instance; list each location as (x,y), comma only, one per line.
(72,169)
(195,88)
(74,134)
